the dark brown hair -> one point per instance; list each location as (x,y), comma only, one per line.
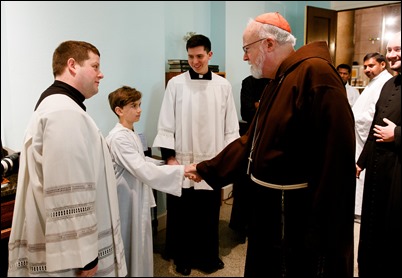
(199,40)
(78,50)
(123,96)
(344,66)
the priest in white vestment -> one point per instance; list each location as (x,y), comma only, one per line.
(66,215)
(197,119)
(196,130)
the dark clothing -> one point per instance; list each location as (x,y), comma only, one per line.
(251,91)
(189,213)
(240,207)
(204,248)
(194,75)
(59,87)
(380,244)
(304,132)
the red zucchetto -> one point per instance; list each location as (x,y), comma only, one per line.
(274,19)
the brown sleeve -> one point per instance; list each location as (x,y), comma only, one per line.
(224,168)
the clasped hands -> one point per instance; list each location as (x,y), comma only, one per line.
(190,170)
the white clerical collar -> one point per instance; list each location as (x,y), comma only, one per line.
(194,75)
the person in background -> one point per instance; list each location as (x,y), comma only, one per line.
(66,215)
(352,93)
(136,176)
(380,241)
(375,68)
(197,120)
(302,171)
(250,94)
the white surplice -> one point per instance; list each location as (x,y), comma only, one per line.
(363,111)
(352,93)
(136,176)
(66,207)
(191,124)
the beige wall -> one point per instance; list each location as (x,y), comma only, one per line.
(362,31)
(345,46)
(368,32)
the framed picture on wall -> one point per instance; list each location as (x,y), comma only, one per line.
(355,72)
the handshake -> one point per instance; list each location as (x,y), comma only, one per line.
(190,172)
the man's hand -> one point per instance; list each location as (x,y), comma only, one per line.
(358,171)
(190,172)
(385,133)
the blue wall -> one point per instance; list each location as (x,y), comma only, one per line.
(135,40)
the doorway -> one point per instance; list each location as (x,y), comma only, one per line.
(322,26)
(372,29)
(357,31)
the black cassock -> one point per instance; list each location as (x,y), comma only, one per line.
(380,244)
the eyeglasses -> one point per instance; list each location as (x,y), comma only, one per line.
(245,48)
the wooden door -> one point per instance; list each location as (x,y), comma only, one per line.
(321,26)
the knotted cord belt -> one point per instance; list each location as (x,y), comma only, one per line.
(278,186)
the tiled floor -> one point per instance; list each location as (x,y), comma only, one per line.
(232,251)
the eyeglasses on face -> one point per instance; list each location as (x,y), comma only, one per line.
(245,48)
